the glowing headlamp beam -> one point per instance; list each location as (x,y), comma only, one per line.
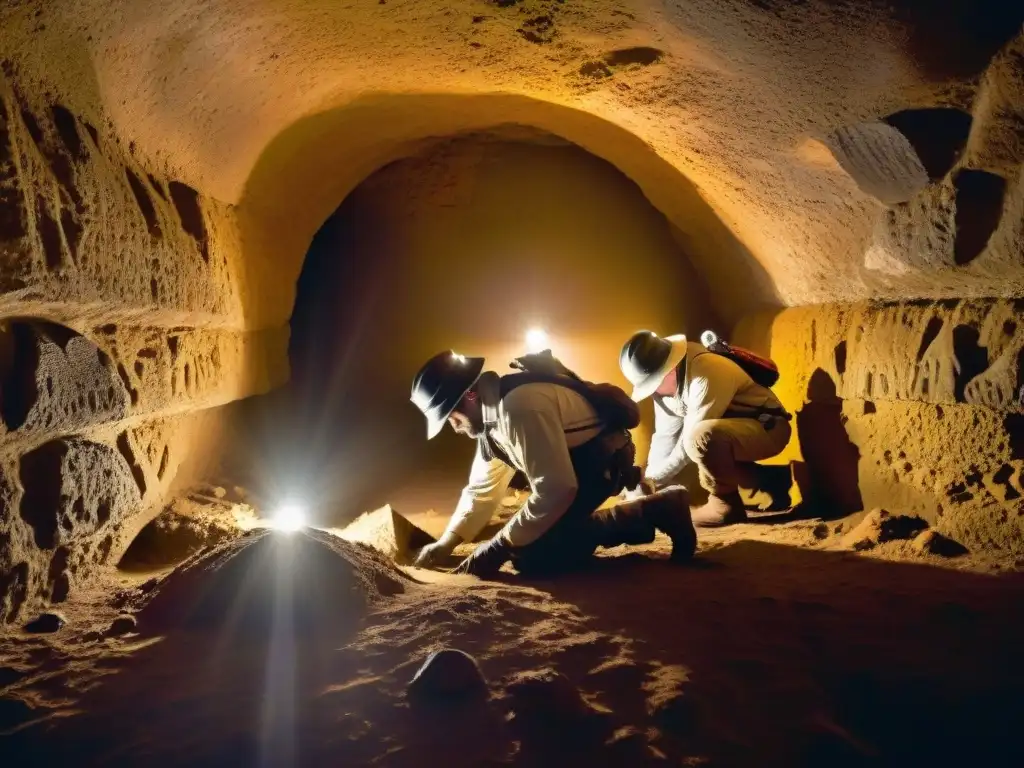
(536,340)
(288,518)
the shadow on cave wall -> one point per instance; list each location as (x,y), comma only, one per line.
(828,476)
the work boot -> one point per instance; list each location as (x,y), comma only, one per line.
(625,523)
(720,511)
(668,510)
(771,479)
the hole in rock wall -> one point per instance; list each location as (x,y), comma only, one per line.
(186,203)
(74,492)
(19,361)
(931,332)
(840,357)
(67,129)
(51,375)
(49,234)
(463,246)
(125,447)
(896,157)
(956,38)
(58,578)
(979,208)
(938,136)
(971,359)
(39,472)
(641,55)
(144,203)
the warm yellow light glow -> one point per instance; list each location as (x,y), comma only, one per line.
(289,518)
(537,340)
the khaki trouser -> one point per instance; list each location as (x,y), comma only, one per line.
(571,541)
(722,447)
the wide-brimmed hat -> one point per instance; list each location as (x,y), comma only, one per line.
(647,358)
(441,384)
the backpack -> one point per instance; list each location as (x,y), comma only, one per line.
(761,369)
(613,406)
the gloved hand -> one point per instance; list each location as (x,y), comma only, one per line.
(487,559)
(645,488)
(432,554)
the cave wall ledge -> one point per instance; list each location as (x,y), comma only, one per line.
(913,406)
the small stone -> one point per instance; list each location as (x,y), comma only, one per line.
(820,531)
(546,695)
(46,623)
(122,625)
(450,674)
(879,526)
(867,534)
(933,542)
(219,493)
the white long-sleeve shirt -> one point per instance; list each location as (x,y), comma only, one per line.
(712,384)
(535,425)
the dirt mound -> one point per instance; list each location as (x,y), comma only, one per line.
(390,533)
(184,528)
(311,578)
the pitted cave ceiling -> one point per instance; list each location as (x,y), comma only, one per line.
(164,167)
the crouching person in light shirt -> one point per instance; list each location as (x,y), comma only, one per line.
(545,427)
(709,411)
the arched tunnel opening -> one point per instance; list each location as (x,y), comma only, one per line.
(466,245)
(230,234)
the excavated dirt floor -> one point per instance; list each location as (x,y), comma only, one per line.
(777,647)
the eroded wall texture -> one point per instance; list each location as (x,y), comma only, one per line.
(916,407)
(121,329)
(164,167)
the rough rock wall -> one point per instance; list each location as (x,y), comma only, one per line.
(121,326)
(913,406)
(767,119)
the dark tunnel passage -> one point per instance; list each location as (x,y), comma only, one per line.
(466,245)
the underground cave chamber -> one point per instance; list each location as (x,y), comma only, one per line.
(467,244)
(229,236)
(465,241)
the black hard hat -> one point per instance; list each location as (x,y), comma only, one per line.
(441,384)
(647,358)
